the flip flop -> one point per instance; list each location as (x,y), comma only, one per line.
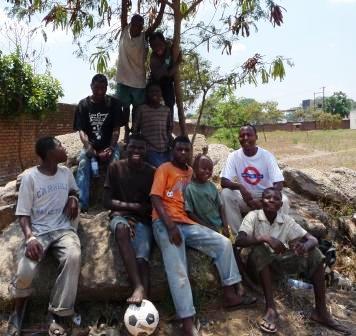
(56,329)
(247,301)
(267,326)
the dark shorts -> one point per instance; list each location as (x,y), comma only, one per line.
(287,263)
(129,95)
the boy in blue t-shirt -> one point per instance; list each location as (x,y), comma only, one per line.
(202,200)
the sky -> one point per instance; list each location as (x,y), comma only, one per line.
(318,36)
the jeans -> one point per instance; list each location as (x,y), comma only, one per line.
(157,158)
(65,246)
(174,257)
(142,242)
(84,174)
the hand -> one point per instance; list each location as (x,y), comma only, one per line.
(255,204)
(71,209)
(34,250)
(277,246)
(225,231)
(299,248)
(247,197)
(174,236)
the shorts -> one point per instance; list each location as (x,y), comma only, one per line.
(287,263)
(130,96)
(143,240)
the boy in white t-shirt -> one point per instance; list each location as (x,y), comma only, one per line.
(254,169)
(46,205)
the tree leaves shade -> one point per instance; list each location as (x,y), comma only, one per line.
(339,104)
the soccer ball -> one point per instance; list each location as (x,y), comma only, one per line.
(141,319)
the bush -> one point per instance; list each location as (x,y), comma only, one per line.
(227,136)
(24,92)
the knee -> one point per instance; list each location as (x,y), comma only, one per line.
(74,256)
(226,194)
(24,279)
(122,233)
(226,243)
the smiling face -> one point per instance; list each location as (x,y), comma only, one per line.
(247,138)
(204,169)
(136,151)
(271,200)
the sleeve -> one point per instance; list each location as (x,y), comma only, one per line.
(273,170)
(188,201)
(218,201)
(72,185)
(25,198)
(295,230)
(229,170)
(160,181)
(79,123)
(248,223)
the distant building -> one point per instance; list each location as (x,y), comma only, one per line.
(307,104)
(353,119)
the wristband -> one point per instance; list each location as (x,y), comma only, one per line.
(75,197)
(30,239)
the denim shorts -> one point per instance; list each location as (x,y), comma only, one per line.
(142,242)
(129,95)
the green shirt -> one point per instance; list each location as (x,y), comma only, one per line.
(203,200)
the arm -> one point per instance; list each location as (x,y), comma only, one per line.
(158,19)
(307,243)
(34,249)
(278,185)
(225,228)
(226,183)
(117,205)
(124,10)
(159,70)
(172,229)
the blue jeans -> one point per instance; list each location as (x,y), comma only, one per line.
(142,242)
(84,174)
(157,158)
(200,238)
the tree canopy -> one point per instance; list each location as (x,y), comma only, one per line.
(339,104)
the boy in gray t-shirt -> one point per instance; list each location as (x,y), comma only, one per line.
(46,205)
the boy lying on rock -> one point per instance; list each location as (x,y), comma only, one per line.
(280,244)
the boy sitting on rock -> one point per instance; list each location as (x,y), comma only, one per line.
(280,244)
(202,200)
(46,204)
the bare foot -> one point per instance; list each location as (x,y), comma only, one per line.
(233,300)
(325,319)
(189,328)
(137,296)
(268,322)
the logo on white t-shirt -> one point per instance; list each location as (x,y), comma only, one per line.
(251,175)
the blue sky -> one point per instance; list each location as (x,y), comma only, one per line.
(317,35)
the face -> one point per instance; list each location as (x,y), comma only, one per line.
(271,201)
(58,153)
(154,94)
(158,46)
(247,137)
(136,151)
(136,27)
(204,170)
(99,90)
(181,152)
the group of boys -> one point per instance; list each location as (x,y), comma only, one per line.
(154,195)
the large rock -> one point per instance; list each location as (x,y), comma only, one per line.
(8,194)
(218,153)
(7,215)
(348,226)
(336,186)
(102,275)
(71,142)
(200,144)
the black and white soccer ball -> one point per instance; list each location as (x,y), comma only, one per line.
(141,319)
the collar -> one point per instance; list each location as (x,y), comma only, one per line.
(262,217)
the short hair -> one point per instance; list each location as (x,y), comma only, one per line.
(271,189)
(156,35)
(137,18)
(137,137)
(182,139)
(198,158)
(44,145)
(251,126)
(99,78)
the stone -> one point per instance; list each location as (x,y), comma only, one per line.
(103,277)
(348,226)
(218,153)
(200,143)
(71,142)
(7,215)
(8,194)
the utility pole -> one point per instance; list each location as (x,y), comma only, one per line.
(323,98)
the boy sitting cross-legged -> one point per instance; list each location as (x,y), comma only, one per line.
(174,231)
(280,244)
(202,199)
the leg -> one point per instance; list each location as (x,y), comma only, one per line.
(142,244)
(320,313)
(175,264)
(66,249)
(83,180)
(233,206)
(115,154)
(121,229)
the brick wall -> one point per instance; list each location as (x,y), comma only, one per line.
(18,137)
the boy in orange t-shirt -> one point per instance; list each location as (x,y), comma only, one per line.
(174,230)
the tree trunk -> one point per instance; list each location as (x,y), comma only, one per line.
(177,79)
(199,116)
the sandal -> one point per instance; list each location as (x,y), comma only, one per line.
(100,327)
(247,301)
(268,327)
(56,329)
